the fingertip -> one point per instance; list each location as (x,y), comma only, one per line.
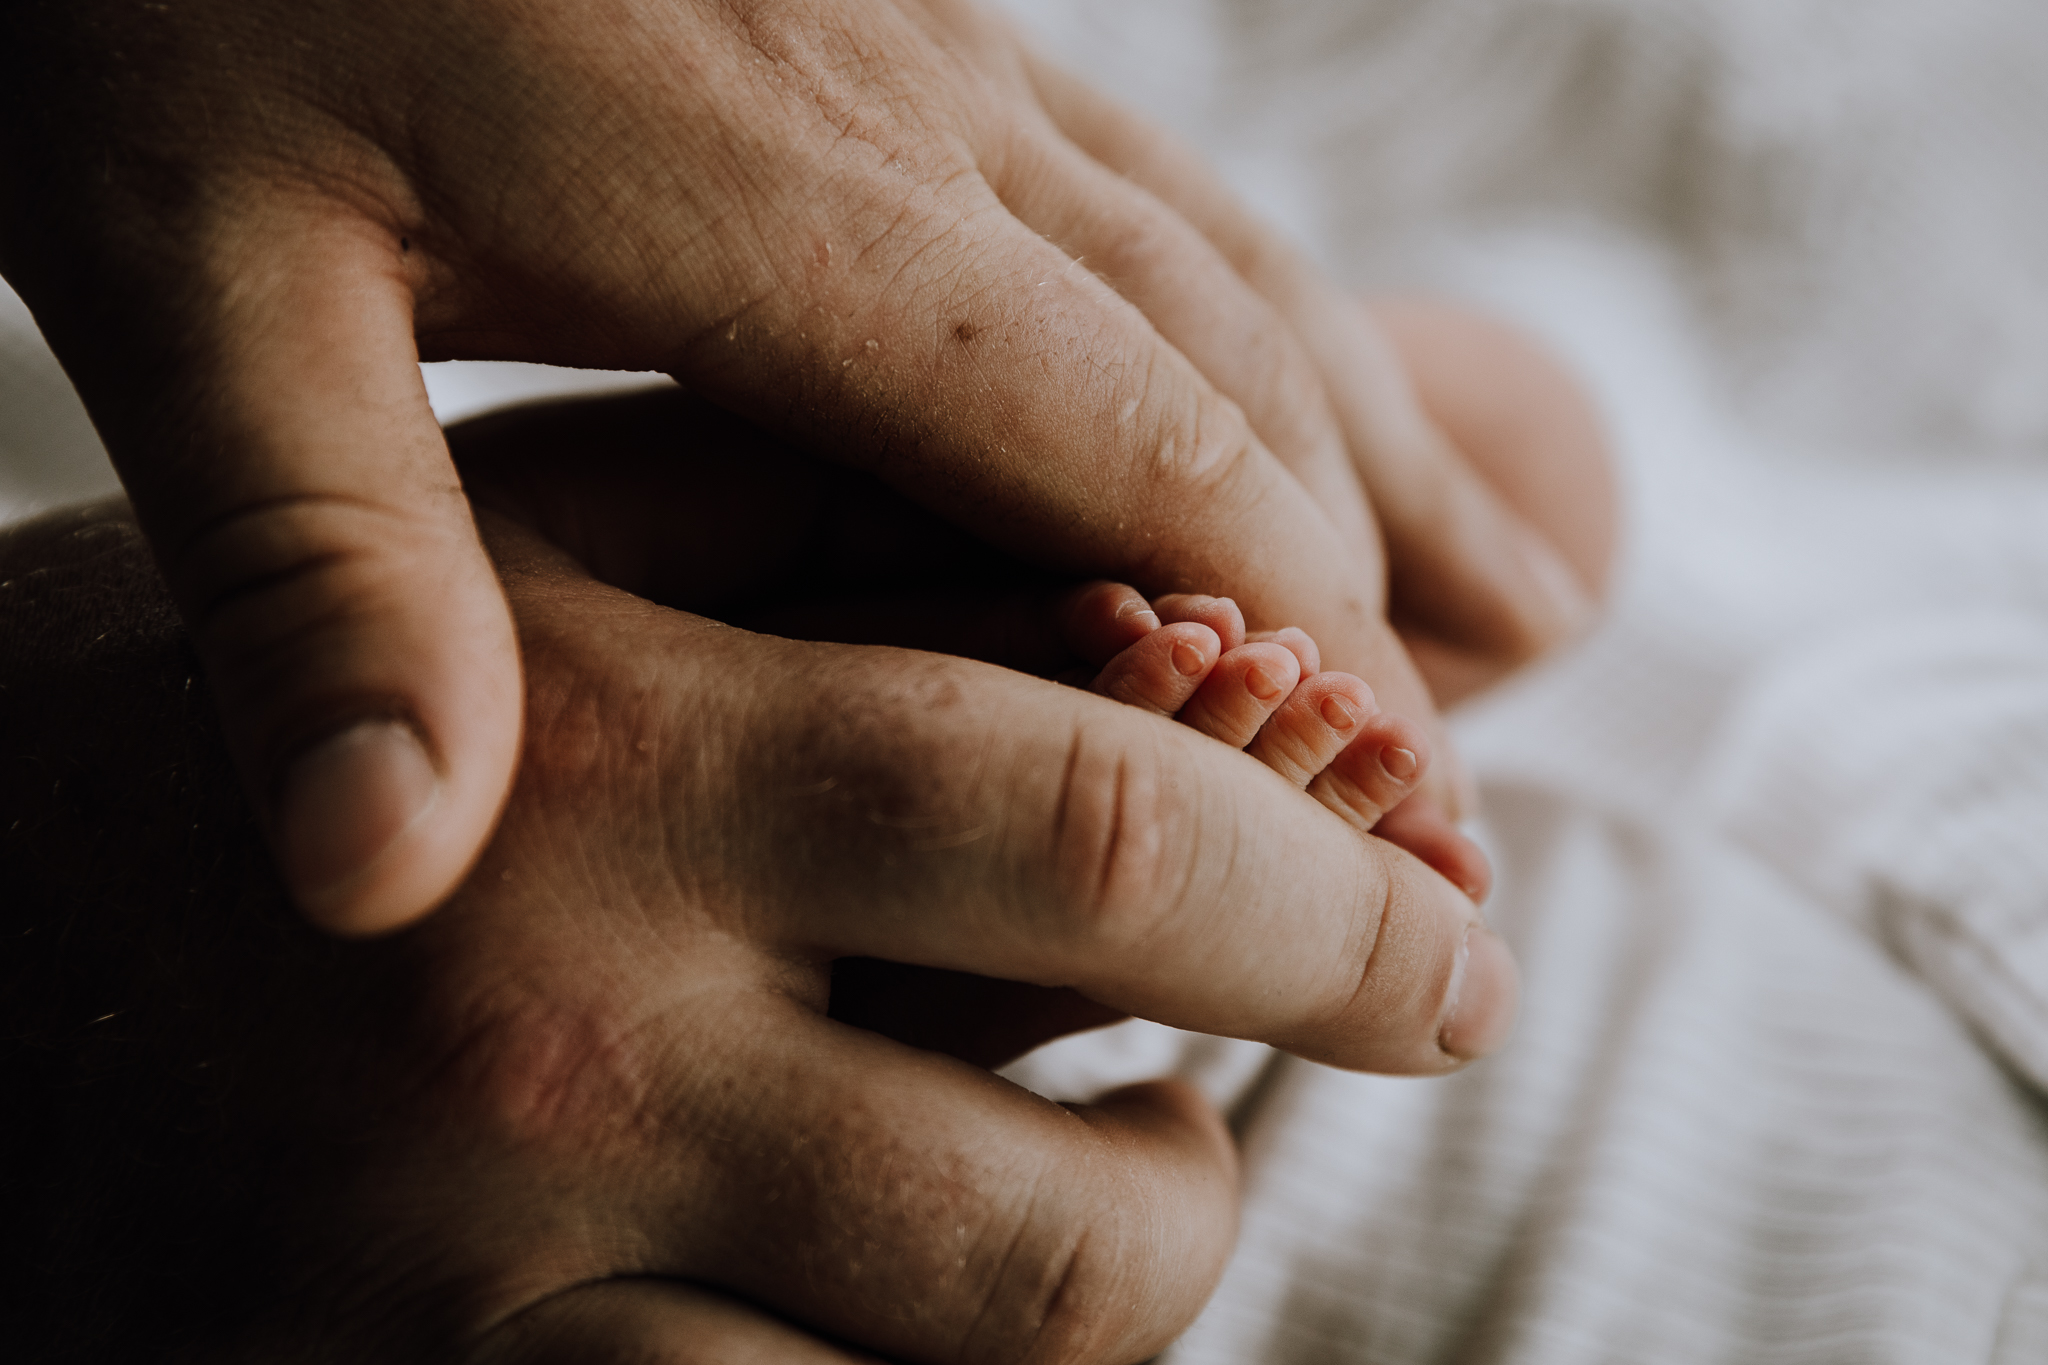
(371,834)
(1484,997)
(345,807)
(378,819)
(1434,989)
(1464,1001)
(417,718)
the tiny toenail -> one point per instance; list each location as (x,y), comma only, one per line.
(1337,713)
(1187,659)
(1399,763)
(1260,684)
(1139,612)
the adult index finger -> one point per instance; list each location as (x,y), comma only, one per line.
(944,813)
(1057,838)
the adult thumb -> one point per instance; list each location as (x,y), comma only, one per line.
(303,507)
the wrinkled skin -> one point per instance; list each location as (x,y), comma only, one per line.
(879,228)
(598,1109)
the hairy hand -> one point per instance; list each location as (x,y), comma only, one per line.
(597,1109)
(877,227)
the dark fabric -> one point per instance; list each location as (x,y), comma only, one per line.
(147,952)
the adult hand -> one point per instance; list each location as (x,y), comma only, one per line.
(595,1110)
(854,220)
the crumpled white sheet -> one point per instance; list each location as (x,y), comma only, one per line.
(1897,772)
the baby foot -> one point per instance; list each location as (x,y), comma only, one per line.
(1189,657)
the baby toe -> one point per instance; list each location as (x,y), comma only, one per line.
(1320,717)
(1219,614)
(1100,620)
(1162,670)
(1420,826)
(1376,772)
(1297,640)
(1241,692)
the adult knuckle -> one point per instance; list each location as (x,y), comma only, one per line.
(507,1084)
(1277,381)
(1390,970)
(1204,446)
(1119,824)
(1087,1306)
(930,251)
(1068,1295)
(1142,238)
(552,1072)
(594,725)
